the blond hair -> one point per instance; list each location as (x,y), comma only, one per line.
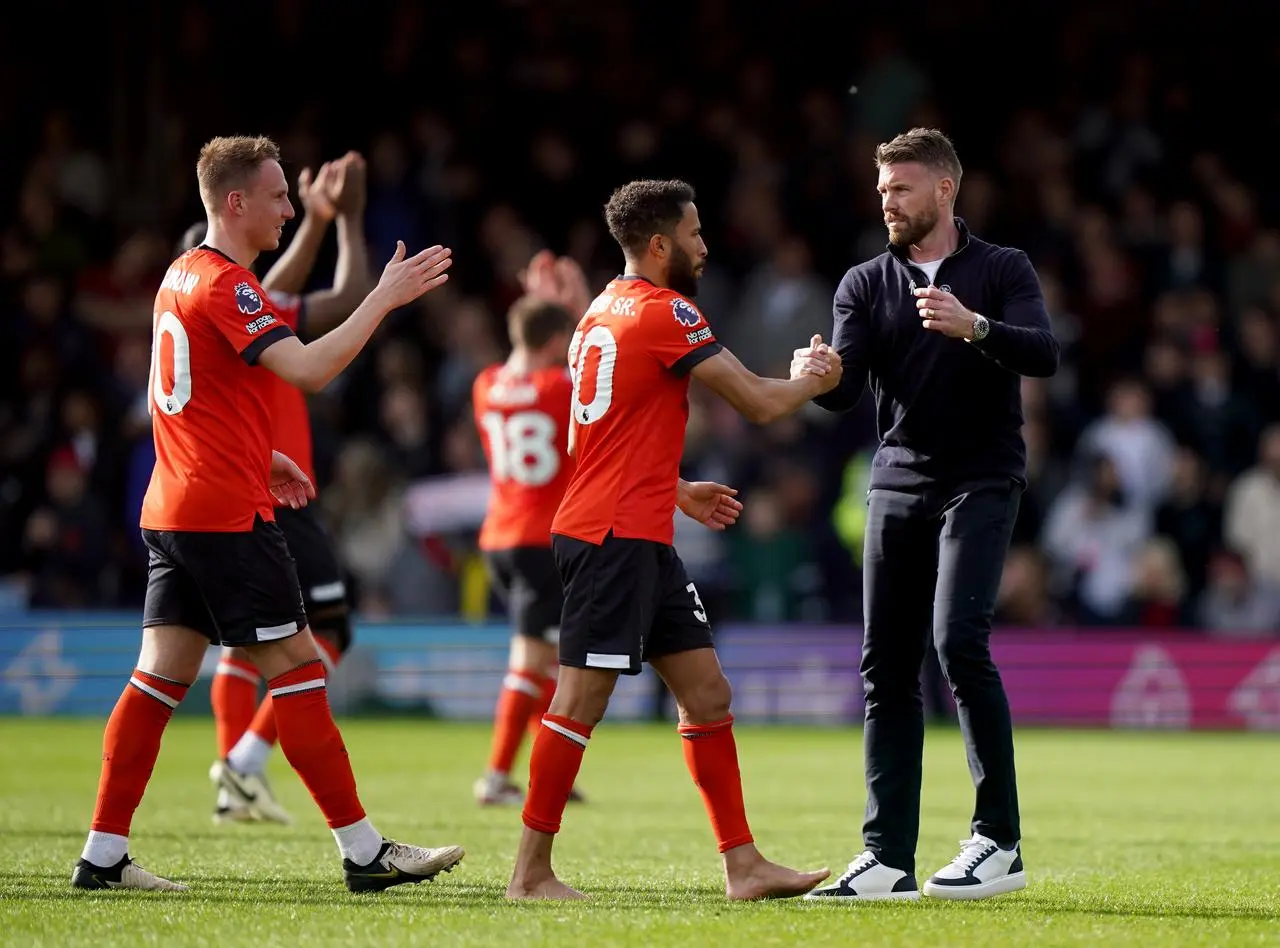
(228,162)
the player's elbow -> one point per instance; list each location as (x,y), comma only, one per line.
(1047,358)
(312,382)
(290,362)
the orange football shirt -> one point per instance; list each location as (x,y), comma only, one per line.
(523,422)
(210,406)
(630,358)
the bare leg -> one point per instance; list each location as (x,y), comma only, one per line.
(581,698)
(703,696)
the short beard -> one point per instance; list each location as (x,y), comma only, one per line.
(916,230)
(680,274)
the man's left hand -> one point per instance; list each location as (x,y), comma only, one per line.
(943,313)
(712,505)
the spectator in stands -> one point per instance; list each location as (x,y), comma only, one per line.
(1253,511)
(1234,604)
(1091,536)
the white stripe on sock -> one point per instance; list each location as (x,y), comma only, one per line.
(312,685)
(158,695)
(515,682)
(561,729)
(235,671)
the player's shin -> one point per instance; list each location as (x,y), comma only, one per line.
(313,745)
(130,746)
(553,768)
(711,755)
(234,696)
(519,699)
(252,751)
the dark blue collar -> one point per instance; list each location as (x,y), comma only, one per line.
(901,253)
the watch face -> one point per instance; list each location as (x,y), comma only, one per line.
(981,327)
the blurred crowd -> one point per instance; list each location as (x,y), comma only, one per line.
(1154,497)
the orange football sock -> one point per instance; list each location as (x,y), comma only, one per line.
(712,758)
(264,721)
(312,743)
(521,694)
(234,694)
(553,768)
(130,746)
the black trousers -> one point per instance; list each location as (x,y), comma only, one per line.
(933,562)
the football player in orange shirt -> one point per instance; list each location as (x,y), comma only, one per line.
(246,729)
(219,570)
(521,410)
(627,597)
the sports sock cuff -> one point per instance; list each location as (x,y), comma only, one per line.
(711,728)
(309,676)
(575,731)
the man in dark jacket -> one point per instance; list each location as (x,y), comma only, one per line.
(944,326)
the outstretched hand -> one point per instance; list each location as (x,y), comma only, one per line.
(288,484)
(557,279)
(347,189)
(713,505)
(405,278)
(314,191)
(818,359)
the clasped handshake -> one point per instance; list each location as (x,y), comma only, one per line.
(820,360)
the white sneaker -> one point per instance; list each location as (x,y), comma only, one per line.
(497,790)
(981,870)
(399,863)
(126,874)
(246,791)
(868,880)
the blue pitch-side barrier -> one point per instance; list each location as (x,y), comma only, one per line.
(76,664)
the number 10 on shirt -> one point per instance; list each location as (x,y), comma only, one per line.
(592,357)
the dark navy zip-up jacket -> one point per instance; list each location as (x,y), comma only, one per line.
(948,412)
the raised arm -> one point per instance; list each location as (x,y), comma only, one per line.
(351,279)
(312,366)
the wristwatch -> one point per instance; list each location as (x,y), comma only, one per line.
(981,327)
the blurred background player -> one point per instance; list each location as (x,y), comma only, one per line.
(521,409)
(219,570)
(246,729)
(628,597)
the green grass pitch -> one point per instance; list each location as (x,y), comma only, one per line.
(1130,839)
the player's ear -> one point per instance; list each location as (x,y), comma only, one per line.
(235,202)
(658,245)
(946,186)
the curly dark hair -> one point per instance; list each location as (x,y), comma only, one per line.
(638,210)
